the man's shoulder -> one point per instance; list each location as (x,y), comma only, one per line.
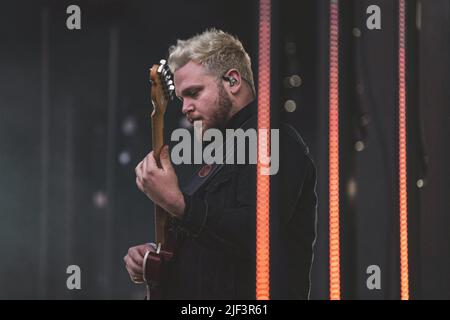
(289,136)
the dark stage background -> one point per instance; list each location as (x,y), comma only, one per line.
(75,122)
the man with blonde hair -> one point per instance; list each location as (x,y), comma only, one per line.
(215,254)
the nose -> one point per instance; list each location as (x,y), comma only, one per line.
(187,106)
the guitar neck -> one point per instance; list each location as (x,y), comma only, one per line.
(158,142)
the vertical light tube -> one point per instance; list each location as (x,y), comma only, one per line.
(263,181)
(334,245)
(403,195)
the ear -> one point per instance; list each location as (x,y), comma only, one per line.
(233,86)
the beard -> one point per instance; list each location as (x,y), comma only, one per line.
(224,105)
(220,118)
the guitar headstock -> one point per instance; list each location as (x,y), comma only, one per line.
(162,86)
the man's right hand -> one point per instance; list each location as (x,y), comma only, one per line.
(134,261)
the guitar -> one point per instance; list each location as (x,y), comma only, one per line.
(162,87)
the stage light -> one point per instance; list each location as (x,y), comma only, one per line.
(290,105)
(100,199)
(352,188)
(295,81)
(420,183)
(356,32)
(359,146)
(364,120)
(124,158)
(129,126)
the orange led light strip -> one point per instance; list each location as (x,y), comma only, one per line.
(403,205)
(262,181)
(335,285)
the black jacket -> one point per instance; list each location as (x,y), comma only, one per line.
(215,255)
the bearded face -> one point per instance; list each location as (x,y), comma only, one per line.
(204,97)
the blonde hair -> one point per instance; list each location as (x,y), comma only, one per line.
(217,51)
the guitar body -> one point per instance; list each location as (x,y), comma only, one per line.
(154,262)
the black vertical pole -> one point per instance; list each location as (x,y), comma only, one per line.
(45,128)
(111,159)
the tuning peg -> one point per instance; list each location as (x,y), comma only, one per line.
(162,62)
(166,67)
